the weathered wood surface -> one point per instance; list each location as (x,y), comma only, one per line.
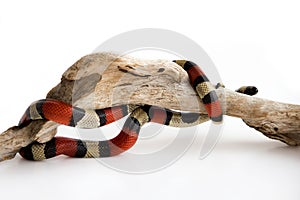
(102,80)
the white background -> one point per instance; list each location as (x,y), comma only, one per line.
(250,42)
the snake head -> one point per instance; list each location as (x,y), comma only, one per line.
(249,90)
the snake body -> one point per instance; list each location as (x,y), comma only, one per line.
(204,89)
(69,115)
(122,142)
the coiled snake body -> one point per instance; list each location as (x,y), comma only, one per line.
(66,114)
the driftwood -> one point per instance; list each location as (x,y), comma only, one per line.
(102,80)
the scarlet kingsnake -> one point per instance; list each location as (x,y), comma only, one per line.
(66,114)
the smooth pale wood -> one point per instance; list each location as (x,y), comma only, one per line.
(275,120)
(103,79)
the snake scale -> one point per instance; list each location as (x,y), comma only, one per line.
(62,113)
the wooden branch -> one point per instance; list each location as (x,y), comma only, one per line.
(15,137)
(275,120)
(102,80)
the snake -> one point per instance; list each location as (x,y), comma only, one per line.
(138,115)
